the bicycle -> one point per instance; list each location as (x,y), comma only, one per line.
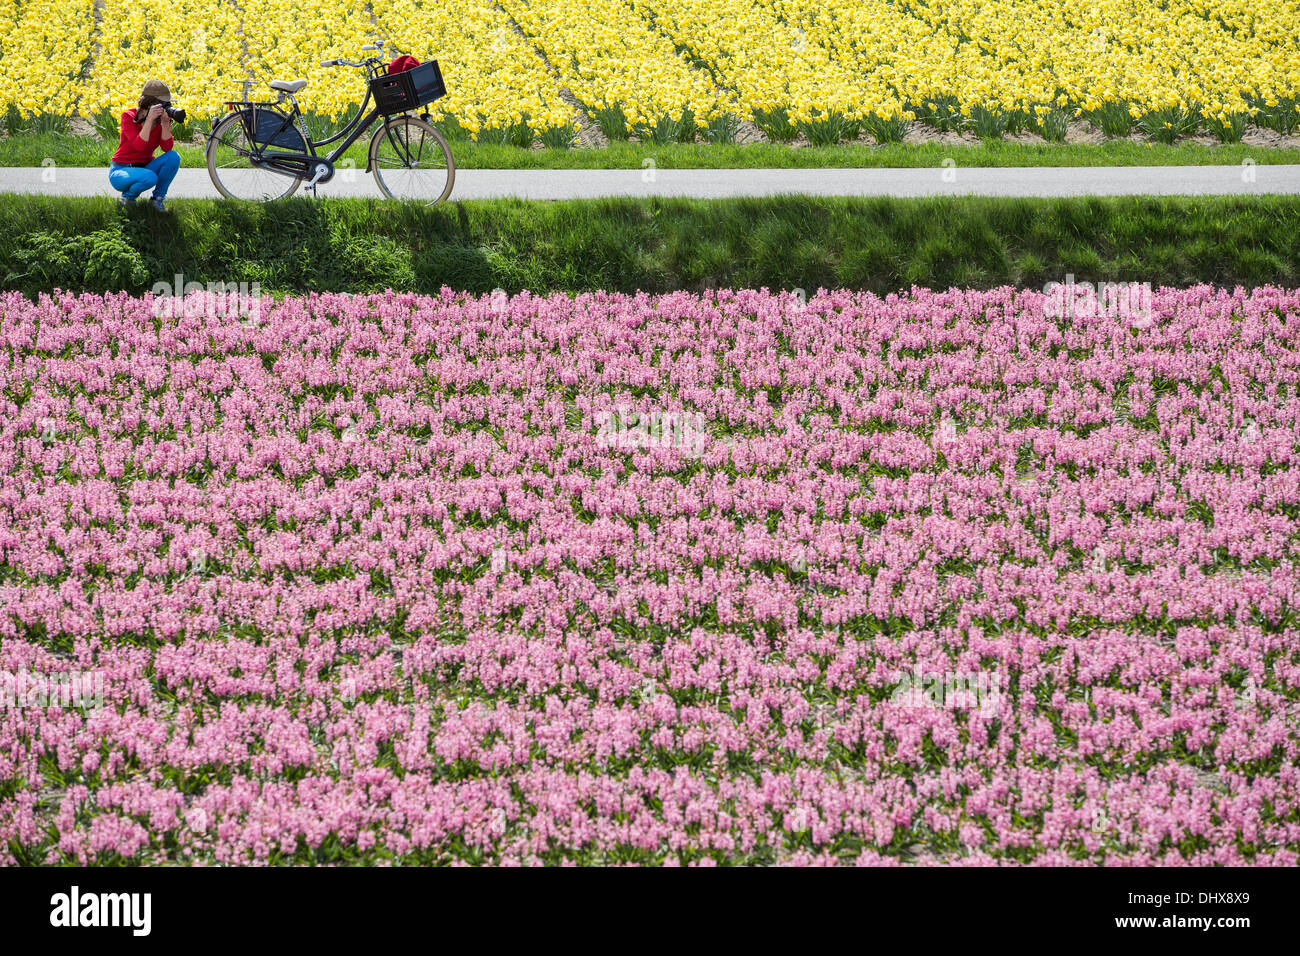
(273,152)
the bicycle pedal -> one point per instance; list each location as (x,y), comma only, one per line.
(319,173)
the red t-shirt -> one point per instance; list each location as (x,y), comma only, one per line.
(133,149)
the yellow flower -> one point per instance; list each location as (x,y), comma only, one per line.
(655,58)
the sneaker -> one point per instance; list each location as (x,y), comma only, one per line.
(127,202)
(158,204)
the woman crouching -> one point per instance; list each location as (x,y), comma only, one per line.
(148,127)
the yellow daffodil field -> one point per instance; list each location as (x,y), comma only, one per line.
(690,70)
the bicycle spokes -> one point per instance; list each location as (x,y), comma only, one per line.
(236,169)
(411,160)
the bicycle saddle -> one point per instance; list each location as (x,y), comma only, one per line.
(287,86)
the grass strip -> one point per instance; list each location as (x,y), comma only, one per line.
(37,149)
(652,244)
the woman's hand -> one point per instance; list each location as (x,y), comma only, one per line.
(166,126)
(152,117)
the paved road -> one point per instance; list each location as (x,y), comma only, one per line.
(718,183)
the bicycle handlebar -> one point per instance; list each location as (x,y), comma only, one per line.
(369,61)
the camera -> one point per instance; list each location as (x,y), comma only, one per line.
(177,114)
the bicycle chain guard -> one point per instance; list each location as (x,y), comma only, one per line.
(314,169)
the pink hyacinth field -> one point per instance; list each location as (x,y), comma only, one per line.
(733,578)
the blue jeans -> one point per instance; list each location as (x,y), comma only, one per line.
(131,181)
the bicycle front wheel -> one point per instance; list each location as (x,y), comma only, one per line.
(411,160)
(232,171)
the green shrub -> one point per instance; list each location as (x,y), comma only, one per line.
(100,261)
(112,264)
(44,260)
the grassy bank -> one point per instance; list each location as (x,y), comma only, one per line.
(34,149)
(652,244)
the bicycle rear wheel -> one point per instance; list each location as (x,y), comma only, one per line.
(411,160)
(233,172)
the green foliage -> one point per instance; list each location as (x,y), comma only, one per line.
(667,129)
(559,137)
(322,126)
(518,134)
(1282,117)
(882,244)
(987,123)
(112,263)
(612,122)
(373,261)
(1112,118)
(98,261)
(37,123)
(723,128)
(943,113)
(885,130)
(829,127)
(1052,125)
(451,129)
(1167,124)
(776,124)
(107,125)
(1229,130)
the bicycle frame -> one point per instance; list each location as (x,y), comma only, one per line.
(297,164)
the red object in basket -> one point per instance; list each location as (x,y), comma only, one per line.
(402,64)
